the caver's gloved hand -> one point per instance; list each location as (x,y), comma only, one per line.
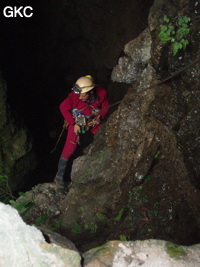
(96,120)
(59,179)
(77,129)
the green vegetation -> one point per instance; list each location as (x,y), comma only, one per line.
(58,223)
(175,32)
(139,201)
(119,216)
(92,227)
(23,207)
(41,219)
(7,197)
(82,208)
(122,238)
(76,228)
(101,216)
(155,211)
(46,218)
(157,154)
(100,155)
(175,251)
(147,178)
(5,191)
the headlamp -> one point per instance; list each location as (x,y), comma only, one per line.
(76,88)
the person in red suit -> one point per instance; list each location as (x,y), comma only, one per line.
(83,110)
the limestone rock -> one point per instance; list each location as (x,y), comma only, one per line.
(16,154)
(46,199)
(146,253)
(24,245)
(137,56)
(140,176)
(97,157)
(57,239)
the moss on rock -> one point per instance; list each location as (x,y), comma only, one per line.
(175,251)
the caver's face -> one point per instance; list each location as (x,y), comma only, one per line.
(84,96)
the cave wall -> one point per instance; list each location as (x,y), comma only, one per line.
(142,176)
(17,157)
(139,177)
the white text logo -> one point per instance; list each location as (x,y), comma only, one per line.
(13,12)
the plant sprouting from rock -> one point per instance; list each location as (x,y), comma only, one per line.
(5,191)
(175,32)
(23,207)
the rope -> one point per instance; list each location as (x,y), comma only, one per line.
(65,125)
(174,74)
(160,82)
(147,88)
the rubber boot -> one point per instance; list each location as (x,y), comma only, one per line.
(59,179)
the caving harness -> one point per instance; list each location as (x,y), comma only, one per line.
(65,125)
(85,122)
(79,119)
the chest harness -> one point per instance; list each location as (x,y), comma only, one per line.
(85,122)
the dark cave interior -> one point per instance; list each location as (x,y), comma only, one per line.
(43,55)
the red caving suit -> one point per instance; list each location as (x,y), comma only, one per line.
(73,101)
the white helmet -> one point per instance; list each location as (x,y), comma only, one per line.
(83,85)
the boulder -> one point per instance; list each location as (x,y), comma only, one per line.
(146,253)
(24,245)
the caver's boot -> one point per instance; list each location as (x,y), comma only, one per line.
(59,179)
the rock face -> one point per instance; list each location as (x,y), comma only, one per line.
(16,155)
(139,178)
(45,200)
(137,53)
(23,245)
(146,253)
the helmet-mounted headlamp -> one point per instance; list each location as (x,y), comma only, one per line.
(83,85)
(76,88)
